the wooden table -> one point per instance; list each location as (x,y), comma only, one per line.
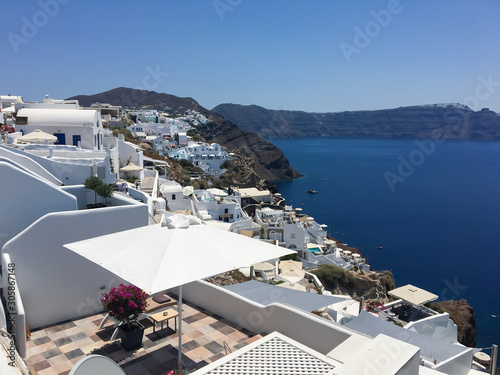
(164,316)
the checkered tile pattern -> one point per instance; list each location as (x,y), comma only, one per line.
(55,349)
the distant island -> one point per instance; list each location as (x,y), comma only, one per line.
(446,121)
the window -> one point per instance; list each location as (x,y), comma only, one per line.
(173,197)
(292,235)
(21,120)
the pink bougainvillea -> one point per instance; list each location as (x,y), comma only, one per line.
(125,303)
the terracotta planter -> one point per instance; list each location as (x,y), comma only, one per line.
(131,338)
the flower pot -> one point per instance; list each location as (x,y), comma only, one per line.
(131,337)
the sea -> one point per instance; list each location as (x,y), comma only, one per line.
(427,210)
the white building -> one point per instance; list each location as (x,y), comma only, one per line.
(75,127)
(283,226)
(137,130)
(173,192)
(208,157)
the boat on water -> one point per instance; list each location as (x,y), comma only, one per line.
(312,191)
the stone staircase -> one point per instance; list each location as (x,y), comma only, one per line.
(147,184)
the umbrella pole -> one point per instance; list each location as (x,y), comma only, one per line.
(179,360)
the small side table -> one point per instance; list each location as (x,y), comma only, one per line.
(164,316)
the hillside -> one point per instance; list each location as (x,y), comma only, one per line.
(447,121)
(270,163)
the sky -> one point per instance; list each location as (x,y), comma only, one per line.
(316,56)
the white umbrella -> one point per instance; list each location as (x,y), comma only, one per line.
(38,136)
(263,267)
(171,257)
(131,167)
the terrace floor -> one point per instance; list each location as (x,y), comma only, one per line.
(57,348)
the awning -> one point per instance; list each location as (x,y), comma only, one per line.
(266,294)
(413,295)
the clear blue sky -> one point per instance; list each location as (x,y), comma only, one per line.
(280,54)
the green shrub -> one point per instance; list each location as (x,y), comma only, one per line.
(104,190)
(333,276)
(289,256)
(92,182)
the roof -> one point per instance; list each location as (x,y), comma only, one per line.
(429,347)
(273,354)
(53,117)
(266,294)
(373,356)
(253,192)
(413,295)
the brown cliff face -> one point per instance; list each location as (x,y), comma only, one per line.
(464,317)
(270,163)
(450,121)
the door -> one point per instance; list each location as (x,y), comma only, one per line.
(76,139)
(61,138)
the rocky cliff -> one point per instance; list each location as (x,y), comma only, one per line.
(374,285)
(464,317)
(447,121)
(270,163)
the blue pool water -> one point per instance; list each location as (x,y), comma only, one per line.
(435,213)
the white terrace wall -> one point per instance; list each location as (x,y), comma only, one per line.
(460,364)
(85,196)
(307,328)
(29,164)
(56,284)
(69,174)
(21,204)
(440,327)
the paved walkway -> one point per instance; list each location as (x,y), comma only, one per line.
(55,349)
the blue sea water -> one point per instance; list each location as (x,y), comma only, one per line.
(435,210)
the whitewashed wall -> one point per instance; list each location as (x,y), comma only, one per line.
(28,163)
(307,328)
(21,203)
(55,283)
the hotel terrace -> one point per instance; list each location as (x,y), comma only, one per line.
(52,317)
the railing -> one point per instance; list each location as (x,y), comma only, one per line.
(227,348)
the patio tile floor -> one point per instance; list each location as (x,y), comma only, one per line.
(55,349)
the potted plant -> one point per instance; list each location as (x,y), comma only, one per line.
(125,304)
(105,191)
(100,188)
(180,370)
(91,183)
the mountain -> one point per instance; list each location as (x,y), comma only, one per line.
(450,121)
(270,163)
